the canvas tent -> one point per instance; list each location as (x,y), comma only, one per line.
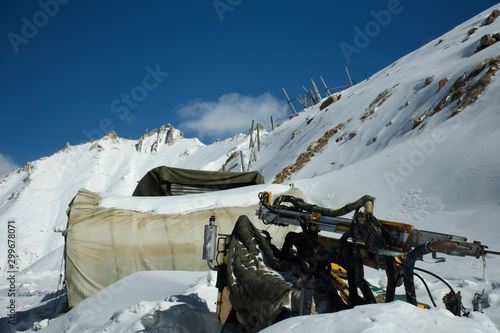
(104,245)
(164,181)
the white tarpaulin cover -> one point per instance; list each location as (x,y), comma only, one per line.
(104,245)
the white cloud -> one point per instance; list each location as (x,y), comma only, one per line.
(230,115)
(7,164)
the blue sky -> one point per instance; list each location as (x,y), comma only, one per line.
(73,70)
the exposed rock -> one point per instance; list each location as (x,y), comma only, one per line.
(472,93)
(340,137)
(376,103)
(314,148)
(487,41)
(96,146)
(140,145)
(428,80)
(330,100)
(421,118)
(233,167)
(492,17)
(442,82)
(111,135)
(170,137)
(466,93)
(231,157)
(352,135)
(326,103)
(471,31)
(394,64)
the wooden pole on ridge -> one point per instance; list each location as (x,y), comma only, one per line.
(251,135)
(289,102)
(326,87)
(258,138)
(348,76)
(242,164)
(316,91)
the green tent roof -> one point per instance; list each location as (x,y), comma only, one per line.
(164,181)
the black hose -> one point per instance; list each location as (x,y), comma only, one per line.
(426,288)
(437,277)
(458,306)
(409,265)
(302,205)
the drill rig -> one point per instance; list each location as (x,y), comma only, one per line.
(321,264)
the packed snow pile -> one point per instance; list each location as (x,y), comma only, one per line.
(420,136)
(392,317)
(126,307)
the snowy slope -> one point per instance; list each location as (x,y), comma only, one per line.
(398,136)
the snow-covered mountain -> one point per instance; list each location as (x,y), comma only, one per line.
(420,135)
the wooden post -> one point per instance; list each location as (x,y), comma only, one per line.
(326,87)
(251,136)
(258,138)
(302,101)
(348,76)
(242,164)
(310,97)
(254,155)
(272,124)
(250,159)
(313,96)
(289,102)
(307,97)
(316,91)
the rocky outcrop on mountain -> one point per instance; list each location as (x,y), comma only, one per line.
(152,141)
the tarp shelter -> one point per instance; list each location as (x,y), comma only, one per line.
(104,245)
(174,181)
